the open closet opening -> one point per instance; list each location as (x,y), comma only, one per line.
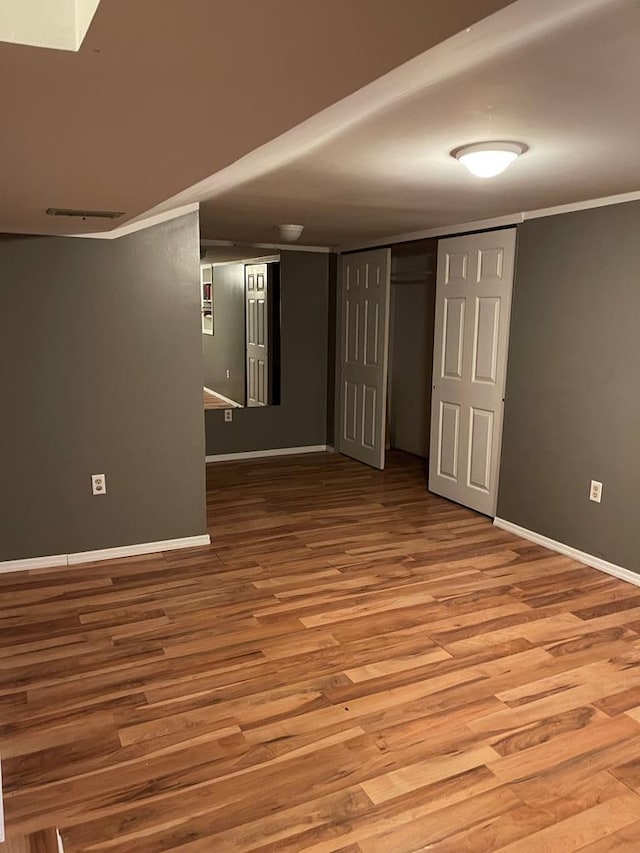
(424,381)
(411,336)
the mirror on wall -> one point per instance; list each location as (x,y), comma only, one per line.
(240,306)
(206,298)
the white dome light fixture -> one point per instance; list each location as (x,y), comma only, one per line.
(290,233)
(488,159)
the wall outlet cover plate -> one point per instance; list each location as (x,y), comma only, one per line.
(98,484)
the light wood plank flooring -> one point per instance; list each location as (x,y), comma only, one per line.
(354,665)
(212,401)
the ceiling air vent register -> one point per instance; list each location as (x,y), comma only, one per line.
(85,214)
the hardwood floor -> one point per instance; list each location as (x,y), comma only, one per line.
(211,400)
(44,841)
(354,665)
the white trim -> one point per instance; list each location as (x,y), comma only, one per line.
(440,231)
(267,259)
(263,454)
(290,247)
(141,224)
(581,556)
(231,402)
(104,554)
(588,204)
(496,222)
(33,563)
(135,550)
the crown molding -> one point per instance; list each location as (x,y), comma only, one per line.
(289,247)
(441,231)
(496,222)
(588,204)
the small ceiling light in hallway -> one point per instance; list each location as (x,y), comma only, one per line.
(488,159)
(290,233)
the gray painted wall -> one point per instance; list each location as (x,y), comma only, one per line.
(410,366)
(101,372)
(225,349)
(572,409)
(301,419)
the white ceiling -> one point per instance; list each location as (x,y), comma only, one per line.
(164,93)
(569,92)
(180,103)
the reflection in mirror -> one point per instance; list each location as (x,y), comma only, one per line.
(206,298)
(240,302)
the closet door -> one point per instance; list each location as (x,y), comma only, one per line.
(473,308)
(364,341)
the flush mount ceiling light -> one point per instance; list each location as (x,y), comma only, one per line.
(488,159)
(290,233)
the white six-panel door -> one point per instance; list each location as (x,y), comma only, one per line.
(258,343)
(473,308)
(364,335)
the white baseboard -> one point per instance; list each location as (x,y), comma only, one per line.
(136,550)
(33,563)
(262,454)
(103,554)
(232,403)
(581,556)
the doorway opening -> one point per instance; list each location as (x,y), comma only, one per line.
(411,336)
(400,358)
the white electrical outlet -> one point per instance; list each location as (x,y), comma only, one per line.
(228,415)
(595,492)
(98,484)
(228,374)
